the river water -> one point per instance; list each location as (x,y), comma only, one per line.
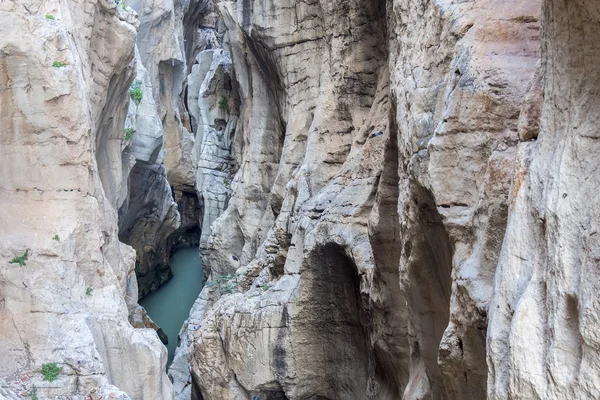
(170,305)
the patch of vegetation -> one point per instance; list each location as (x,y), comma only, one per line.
(20,259)
(33,393)
(223,103)
(129,133)
(220,136)
(226,181)
(50,17)
(58,64)
(51,371)
(122,4)
(136,92)
(56,237)
(226,283)
(89,291)
(266,287)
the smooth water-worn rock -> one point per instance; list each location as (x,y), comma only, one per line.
(543,330)
(149,215)
(387,167)
(65,71)
(393,199)
(212,102)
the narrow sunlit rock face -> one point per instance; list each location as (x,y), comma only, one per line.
(543,330)
(65,72)
(392,199)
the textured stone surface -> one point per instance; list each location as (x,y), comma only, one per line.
(149,215)
(408,217)
(62,179)
(543,334)
(307,181)
(212,105)
(396,199)
(164,143)
(460,78)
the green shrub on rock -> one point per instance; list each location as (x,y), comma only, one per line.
(129,133)
(223,103)
(51,371)
(20,259)
(136,92)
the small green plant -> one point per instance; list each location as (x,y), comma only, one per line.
(122,4)
(129,133)
(50,17)
(33,393)
(266,287)
(228,287)
(220,136)
(51,371)
(20,259)
(58,64)
(223,103)
(136,92)
(56,237)
(89,291)
(226,283)
(226,181)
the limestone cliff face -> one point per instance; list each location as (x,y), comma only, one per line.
(543,330)
(380,143)
(393,199)
(149,215)
(65,71)
(459,77)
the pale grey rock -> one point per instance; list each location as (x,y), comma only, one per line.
(397,201)
(417,212)
(62,176)
(211,103)
(543,330)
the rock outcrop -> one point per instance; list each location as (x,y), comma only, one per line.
(460,76)
(393,199)
(66,281)
(543,329)
(371,202)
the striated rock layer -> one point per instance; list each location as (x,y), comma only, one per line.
(543,330)
(367,217)
(65,71)
(393,199)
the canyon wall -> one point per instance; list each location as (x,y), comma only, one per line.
(393,199)
(65,74)
(543,329)
(366,218)
(369,214)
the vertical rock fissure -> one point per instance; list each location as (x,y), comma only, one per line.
(388,331)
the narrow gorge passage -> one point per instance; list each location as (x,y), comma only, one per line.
(170,305)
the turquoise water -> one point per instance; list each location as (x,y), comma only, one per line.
(170,305)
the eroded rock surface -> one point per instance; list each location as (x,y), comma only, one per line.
(543,331)
(65,71)
(149,215)
(381,147)
(393,199)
